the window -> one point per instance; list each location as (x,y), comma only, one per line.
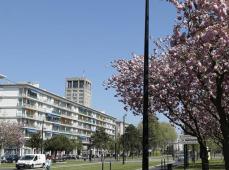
(75,84)
(81,84)
(69,84)
(35,159)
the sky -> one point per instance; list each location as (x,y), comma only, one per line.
(45,41)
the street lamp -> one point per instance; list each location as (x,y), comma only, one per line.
(145,140)
(2,148)
(123,152)
(42,131)
(90,149)
(2,76)
(5,77)
(116,142)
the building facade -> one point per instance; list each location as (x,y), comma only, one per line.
(34,108)
(120,127)
(78,90)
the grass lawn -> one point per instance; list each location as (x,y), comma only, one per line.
(98,166)
(214,165)
(7,165)
(82,165)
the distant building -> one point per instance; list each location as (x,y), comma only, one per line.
(120,128)
(34,108)
(78,89)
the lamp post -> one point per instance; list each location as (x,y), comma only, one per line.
(90,149)
(5,77)
(42,130)
(145,140)
(115,142)
(2,76)
(123,153)
(2,148)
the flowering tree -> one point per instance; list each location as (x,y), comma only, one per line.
(169,94)
(11,134)
(189,80)
(201,43)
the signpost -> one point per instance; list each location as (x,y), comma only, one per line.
(187,140)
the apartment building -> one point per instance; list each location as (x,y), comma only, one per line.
(34,107)
(78,89)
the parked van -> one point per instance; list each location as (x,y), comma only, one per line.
(31,161)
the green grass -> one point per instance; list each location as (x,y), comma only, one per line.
(214,165)
(98,166)
(7,165)
(85,165)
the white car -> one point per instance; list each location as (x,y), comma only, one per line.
(31,161)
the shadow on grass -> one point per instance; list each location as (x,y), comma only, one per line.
(213,166)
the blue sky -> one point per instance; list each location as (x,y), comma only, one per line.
(46,41)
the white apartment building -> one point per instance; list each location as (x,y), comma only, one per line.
(32,106)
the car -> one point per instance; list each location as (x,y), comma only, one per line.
(12,158)
(85,157)
(73,156)
(66,157)
(180,158)
(9,158)
(3,159)
(78,156)
(31,161)
(58,159)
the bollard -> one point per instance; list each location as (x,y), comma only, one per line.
(110,165)
(102,165)
(161,164)
(169,166)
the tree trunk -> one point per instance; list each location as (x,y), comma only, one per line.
(204,157)
(226,153)
(224,126)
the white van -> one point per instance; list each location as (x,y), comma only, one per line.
(31,161)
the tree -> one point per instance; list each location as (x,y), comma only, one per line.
(160,133)
(167,135)
(79,146)
(35,141)
(11,134)
(189,79)
(100,139)
(58,143)
(200,43)
(153,132)
(111,146)
(132,138)
(166,96)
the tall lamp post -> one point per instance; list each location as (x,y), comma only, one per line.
(123,153)
(42,131)
(115,142)
(2,76)
(5,77)
(90,149)
(145,140)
